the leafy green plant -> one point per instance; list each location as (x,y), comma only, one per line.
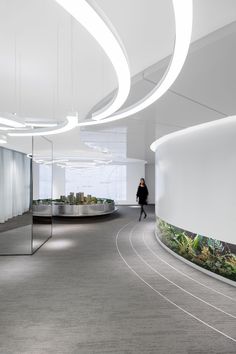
(206,252)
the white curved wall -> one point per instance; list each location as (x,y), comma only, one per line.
(196,179)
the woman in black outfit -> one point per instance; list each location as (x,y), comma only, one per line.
(142,195)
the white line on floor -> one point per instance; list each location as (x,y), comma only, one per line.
(163,296)
(173,283)
(184,274)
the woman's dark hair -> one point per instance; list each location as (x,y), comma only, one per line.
(143,181)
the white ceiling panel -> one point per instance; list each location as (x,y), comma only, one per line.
(49,66)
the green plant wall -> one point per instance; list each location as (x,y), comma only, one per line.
(216,256)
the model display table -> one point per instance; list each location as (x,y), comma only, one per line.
(73,210)
(83,210)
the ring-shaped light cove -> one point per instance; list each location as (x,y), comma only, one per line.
(183,30)
(183,13)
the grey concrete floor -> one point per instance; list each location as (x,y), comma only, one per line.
(105,285)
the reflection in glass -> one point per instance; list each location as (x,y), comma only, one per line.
(15,205)
(42,191)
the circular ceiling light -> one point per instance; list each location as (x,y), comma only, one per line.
(183,12)
(11,122)
(90,19)
(96,23)
(6,128)
(40,124)
(70,123)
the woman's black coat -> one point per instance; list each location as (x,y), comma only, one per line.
(142,194)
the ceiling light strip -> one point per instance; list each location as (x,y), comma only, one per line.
(71,123)
(195,128)
(104,35)
(11,123)
(183,11)
(6,128)
(183,29)
(40,125)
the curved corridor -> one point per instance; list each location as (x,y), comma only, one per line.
(185,290)
(124,294)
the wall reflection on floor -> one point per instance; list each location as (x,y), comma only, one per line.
(16,234)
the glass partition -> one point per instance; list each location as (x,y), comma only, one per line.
(15,202)
(25,196)
(42,191)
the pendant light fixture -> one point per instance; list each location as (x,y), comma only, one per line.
(183,12)
(70,123)
(105,35)
(96,26)
(11,122)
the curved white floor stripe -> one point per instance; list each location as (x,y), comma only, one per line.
(173,283)
(184,274)
(163,296)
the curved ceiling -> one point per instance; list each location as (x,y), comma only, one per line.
(50,66)
(39,78)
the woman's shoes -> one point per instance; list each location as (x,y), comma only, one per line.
(144,217)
